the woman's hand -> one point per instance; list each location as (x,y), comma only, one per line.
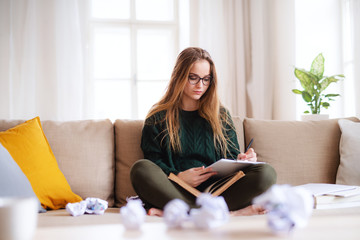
(250,155)
(195,176)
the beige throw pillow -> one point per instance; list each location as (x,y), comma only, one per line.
(349,168)
(85,153)
(300,151)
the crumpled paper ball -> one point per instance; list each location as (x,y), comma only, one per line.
(89,205)
(96,206)
(176,213)
(133,214)
(212,213)
(76,209)
(288,207)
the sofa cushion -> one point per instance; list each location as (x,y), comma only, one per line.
(349,168)
(85,153)
(29,147)
(300,151)
(128,151)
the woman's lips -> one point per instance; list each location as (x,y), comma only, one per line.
(198,92)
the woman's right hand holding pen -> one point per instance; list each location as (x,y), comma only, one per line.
(249,155)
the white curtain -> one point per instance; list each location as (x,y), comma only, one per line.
(253,45)
(41,60)
(355,24)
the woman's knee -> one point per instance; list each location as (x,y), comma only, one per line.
(139,164)
(145,171)
(262,176)
(267,177)
(140,168)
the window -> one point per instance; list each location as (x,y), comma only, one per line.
(320,32)
(349,58)
(133,48)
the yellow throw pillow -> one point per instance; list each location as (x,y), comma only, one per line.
(29,147)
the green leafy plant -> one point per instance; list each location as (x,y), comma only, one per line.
(314,83)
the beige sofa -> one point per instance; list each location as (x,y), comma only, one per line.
(96,155)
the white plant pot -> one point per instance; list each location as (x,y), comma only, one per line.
(314,117)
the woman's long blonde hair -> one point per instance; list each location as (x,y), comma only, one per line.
(209,104)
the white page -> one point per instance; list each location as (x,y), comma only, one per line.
(318,189)
(225,167)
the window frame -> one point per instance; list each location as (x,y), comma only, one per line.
(349,59)
(133,25)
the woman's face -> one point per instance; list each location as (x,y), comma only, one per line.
(193,93)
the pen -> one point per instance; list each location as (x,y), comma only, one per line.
(249,145)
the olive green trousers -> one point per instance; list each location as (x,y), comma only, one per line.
(156,190)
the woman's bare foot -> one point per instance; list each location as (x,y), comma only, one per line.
(249,211)
(155,212)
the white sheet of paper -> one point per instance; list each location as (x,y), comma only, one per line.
(226,167)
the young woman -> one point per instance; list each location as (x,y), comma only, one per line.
(188,130)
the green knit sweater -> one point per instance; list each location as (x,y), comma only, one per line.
(196,139)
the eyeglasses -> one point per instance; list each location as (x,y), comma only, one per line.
(195,79)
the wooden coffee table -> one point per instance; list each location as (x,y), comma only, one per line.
(324,224)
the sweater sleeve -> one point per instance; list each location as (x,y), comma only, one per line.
(154,145)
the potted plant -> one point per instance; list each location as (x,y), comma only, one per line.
(314,84)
